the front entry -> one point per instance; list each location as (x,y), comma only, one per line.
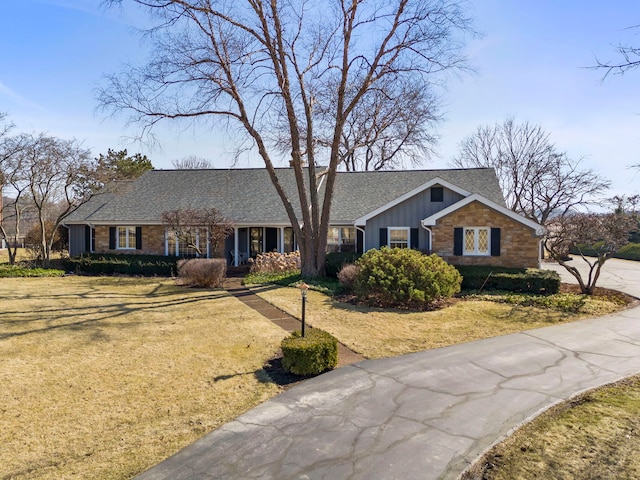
(271,240)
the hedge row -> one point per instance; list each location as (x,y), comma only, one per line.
(630,251)
(110,264)
(8,271)
(530,280)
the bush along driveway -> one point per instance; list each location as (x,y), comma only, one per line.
(424,415)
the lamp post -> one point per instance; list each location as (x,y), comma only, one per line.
(303,291)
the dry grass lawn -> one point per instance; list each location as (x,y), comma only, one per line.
(104,377)
(378,333)
(595,436)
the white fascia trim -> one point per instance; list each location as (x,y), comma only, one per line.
(435,181)
(535,226)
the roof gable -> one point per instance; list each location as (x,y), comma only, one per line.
(431,220)
(435,181)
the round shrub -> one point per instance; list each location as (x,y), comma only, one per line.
(347,275)
(404,277)
(314,353)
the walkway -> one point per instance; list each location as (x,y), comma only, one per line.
(426,415)
(285,321)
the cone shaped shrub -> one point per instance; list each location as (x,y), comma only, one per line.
(404,277)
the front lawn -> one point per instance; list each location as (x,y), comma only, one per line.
(378,333)
(105,377)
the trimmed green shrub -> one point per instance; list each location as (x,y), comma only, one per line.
(7,271)
(314,353)
(202,272)
(336,260)
(110,264)
(404,277)
(529,280)
(630,251)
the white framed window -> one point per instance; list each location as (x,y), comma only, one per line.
(341,239)
(125,238)
(399,237)
(476,241)
(182,246)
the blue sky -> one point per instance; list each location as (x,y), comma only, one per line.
(530,64)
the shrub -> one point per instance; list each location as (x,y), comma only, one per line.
(336,260)
(404,277)
(314,353)
(347,275)
(529,280)
(19,271)
(202,272)
(630,251)
(274,262)
(110,264)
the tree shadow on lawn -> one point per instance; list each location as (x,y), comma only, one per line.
(56,316)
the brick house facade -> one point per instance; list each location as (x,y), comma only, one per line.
(519,245)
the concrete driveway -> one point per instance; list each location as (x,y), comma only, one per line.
(427,415)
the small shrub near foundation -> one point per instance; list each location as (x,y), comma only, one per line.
(202,272)
(274,262)
(347,275)
(312,354)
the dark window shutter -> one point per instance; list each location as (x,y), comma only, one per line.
(87,238)
(383,237)
(457,241)
(138,238)
(112,238)
(415,239)
(495,242)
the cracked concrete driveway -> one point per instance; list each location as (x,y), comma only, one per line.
(426,415)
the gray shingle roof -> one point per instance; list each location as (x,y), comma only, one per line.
(248,196)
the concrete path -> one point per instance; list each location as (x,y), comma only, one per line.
(234,286)
(426,415)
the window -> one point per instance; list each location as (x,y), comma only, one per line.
(289,241)
(437,194)
(341,239)
(398,237)
(181,247)
(476,241)
(256,236)
(126,238)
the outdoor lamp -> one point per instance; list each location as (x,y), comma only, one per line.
(303,291)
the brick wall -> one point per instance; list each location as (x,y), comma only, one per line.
(519,247)
(152,240)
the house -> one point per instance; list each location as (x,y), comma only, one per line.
(459,214)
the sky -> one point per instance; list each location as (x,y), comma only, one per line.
(531,62)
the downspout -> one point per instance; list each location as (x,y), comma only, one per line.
(364,238)
(430,236)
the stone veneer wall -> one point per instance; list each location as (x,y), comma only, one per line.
(152,240)
(519,247)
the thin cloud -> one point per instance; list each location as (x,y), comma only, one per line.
(13,96)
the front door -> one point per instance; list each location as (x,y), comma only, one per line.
(271,240)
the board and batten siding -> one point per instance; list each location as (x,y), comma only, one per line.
(409,214)
(77,243)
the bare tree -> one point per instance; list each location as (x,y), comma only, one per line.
(53,177)
(392,125)
(198,227)
(595,238)
(273,65)
(192,163)
(536,180)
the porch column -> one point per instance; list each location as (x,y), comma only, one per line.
(281,242)
(236,254)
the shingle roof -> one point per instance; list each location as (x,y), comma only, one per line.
(248,196)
